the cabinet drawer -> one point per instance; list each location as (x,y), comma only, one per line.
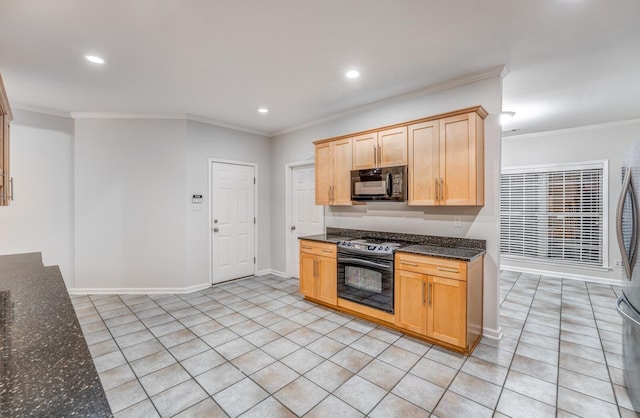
(318,248)
(432,266)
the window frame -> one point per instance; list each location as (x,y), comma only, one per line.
(563,167)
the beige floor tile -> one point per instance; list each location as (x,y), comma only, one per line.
(301,395)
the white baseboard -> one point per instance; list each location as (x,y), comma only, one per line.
(138,290)
(492,333)
(274,272)
(551,273)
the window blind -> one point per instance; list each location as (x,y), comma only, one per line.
(554,213)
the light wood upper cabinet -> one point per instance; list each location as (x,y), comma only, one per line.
(444,155)
(462,160)
(386,148)
(424,168)
(6,181)
(446,161)
(333,172)
(323,172)
(365,149)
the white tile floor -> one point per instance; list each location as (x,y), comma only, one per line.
(255,348)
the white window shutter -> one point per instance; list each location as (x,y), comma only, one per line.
(554,213)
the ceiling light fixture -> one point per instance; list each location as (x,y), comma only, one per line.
(352,74)
(94,59)
(506,116)
(263,110)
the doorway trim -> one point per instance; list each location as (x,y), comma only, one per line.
(287,221)
(213,160)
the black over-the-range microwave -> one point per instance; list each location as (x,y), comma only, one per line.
(387,183)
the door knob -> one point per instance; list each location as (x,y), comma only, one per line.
(216,229)
(215,221)
(293,228)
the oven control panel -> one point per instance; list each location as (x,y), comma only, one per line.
(384,247)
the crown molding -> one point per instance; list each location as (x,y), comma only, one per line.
(583,128)
(43,110)
(167,116)
(214,122)
(498,71)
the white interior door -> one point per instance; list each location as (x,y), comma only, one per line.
(232,221)
(307,218)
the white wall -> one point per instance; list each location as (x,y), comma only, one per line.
(207,141)
(40,219)
(130,217)
(477,223)
(598,142)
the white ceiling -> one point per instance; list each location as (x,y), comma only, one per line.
(570,62)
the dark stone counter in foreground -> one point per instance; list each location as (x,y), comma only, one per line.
(45,366)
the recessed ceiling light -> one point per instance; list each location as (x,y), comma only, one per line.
(94,59)
(506,116)
(352,74)
(263,110)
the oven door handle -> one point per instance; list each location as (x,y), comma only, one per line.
(365,263)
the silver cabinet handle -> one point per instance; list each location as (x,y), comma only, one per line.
(375,157)
(436,190)
(627,259)
(441,189)
(423,293)
(448,270)
(429,293)
(11,182)
(379,156)
(408,264)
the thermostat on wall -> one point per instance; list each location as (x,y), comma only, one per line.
(196,202)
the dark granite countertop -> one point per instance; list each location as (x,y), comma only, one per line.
(455,253)
(463,249)
(333,239)
(46,369)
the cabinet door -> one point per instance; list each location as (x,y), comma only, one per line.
(308,274)
(447,312)
(424,161)
(341,193)
(323,173)
(365,150)
(392,147)
(327,290)
(4,160)
(410,301)
(458,159)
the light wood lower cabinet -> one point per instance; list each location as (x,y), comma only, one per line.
(440,299)
(447,310)
(437,299)
(318,269)
(410,301)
